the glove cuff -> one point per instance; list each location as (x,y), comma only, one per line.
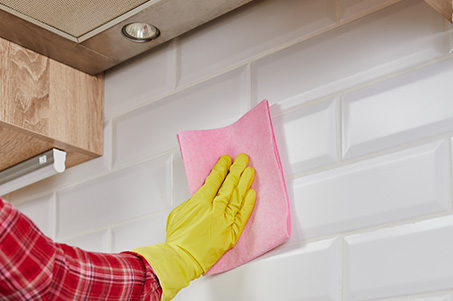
(174,267)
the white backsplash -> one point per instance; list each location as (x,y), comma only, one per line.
(362,108)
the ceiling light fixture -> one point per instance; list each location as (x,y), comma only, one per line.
(140,32)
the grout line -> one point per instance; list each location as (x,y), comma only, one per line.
(121,167)
(53,216)
(374,228)
(339,129)
(176,63)
(361,85)
(108,243)
(145,159)
(141,217)
(172,181)
(110,227)
(358,86)
(249,87)
(83,233)
(304,105)
(340,266)
(180,89)
(373,155)
(450,175)
(111,126)
(420,296)
(28,198)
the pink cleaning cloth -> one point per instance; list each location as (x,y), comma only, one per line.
(253,134)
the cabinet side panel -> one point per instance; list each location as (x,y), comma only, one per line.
(3,63)
(443,7)
(76,101)
(25,100)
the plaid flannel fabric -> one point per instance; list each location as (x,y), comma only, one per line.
(33,267)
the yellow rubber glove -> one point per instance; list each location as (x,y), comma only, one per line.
(202,229)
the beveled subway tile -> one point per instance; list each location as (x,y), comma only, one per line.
(40,211)
(248,31)
(94,242)
(152,129)
(407,184)
(306,273)
(139,80)
(357,52)
(131,192)
(404,260)
(400,110)
(143,232)
(307,138)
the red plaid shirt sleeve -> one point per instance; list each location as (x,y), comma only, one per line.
(33,267)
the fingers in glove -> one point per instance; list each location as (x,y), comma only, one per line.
(214,181)
(243,215)
(225,193)
(238,197)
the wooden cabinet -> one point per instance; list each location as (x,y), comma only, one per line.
(443,7)
(45,104)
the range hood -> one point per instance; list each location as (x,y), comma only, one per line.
(86,34)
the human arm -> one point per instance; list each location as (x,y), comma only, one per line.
(34,267)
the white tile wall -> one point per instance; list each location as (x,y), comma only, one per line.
(181,193)
(409,259)
(139,80)
(143,232)
(96,241)
(405,108)
(363,120)
(131,192)
(39,210)
(252,30)
(151,130)
(376,191)
(308,272)
(374,46)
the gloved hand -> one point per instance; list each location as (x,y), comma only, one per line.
(202,229)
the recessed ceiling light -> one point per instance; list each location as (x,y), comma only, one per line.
(140,32)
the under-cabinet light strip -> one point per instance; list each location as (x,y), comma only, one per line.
(32,170)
